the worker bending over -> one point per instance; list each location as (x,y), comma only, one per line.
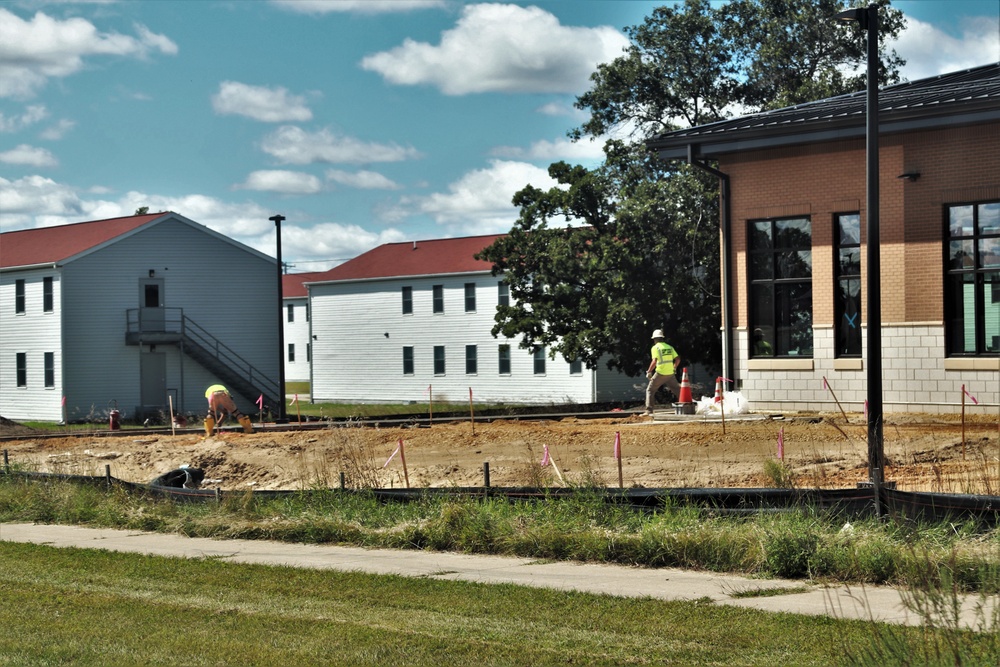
(220,403)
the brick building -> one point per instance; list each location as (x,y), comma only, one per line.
(793,239)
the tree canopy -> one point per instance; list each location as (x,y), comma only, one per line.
(611,253)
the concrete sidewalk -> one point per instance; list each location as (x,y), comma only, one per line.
(864,603)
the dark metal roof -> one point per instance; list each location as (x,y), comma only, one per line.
(957,98)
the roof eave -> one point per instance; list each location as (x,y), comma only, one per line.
(764,138)
(406,277)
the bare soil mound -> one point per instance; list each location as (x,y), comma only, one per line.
(924,453)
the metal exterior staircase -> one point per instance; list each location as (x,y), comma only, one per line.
(170,326)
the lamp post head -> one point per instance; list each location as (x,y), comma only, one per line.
(858,15)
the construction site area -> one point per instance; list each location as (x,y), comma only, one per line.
(936,453)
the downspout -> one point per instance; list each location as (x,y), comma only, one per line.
(727,274)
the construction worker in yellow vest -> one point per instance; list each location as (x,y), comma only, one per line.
(220,403)
(661,370)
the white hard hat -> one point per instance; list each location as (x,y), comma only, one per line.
(658,334)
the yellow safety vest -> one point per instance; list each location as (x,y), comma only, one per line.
(214,388)
(664,355)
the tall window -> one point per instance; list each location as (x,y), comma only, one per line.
(972,279)
(307,311)
(470,297)
(22,369)
(47,294)
(438,292)
(407,300)
(781,286)
(309,352)
(291,352)
(504,359)
(19,295)
(407,360)
(439,360)
(539,356)
(50,369)
(291,313)
(471,360)
(503,294)
(847,288)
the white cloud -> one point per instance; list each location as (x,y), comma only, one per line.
(331,242)
(58,131)
(26,199)
(270,105)
(480,201)
(31,115)
(929,51)
(36,201)
(31,156)
(362,180)
(584,150)
(502,48)
(355,6)
(281,181)
(293,145)
(43,47)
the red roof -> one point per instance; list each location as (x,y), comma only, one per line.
(50,245)
(293,284)
(415,258)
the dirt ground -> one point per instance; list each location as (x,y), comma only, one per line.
(924,453)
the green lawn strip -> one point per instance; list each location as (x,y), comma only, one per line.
(94,607)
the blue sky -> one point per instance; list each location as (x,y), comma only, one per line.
(361,122)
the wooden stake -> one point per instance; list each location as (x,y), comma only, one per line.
(173,429)
(472,412)
(402,457)
(430,405)
(963,422)
(618,455)
(830,389)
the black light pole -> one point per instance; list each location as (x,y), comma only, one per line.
(867,18)
(281,326)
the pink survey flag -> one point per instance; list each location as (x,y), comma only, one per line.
(971,397)
(618,444)
(64,402)
(825,385)
(546,459)
(781,443)
(260,401)
(294,400)
(393,455)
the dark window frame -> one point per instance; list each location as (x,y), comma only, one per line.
(437,298)
(406,293)
(972,269)
(503,359)
(471,359)
(439,360)
(470,297)
(21,364)
(538,358)
(781,304)
(48,302)
(847,288)
(290,309)
(408,360)
(50,370)
(19,297)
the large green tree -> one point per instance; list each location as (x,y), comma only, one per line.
(611,253)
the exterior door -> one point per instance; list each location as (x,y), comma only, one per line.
(153,382)
(151,302)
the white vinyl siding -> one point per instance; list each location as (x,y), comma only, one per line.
(355,361)
(32,334)
(296,333)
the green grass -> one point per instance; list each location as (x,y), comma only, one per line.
(90,607)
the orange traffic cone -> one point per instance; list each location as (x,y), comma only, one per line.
(685,396)
(718,390)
